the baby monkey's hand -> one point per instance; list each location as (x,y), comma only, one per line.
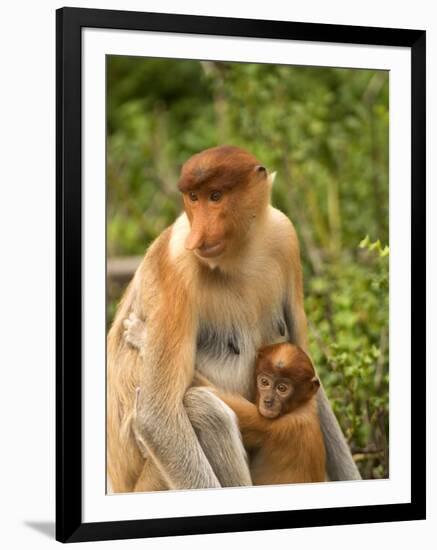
(135,333)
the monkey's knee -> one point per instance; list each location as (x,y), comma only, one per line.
(208,412)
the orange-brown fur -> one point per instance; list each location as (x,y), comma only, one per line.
(289,448)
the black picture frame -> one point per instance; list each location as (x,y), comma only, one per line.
(69,25)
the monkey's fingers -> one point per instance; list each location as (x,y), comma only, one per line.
(131,320)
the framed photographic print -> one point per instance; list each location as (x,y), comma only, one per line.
(240,257)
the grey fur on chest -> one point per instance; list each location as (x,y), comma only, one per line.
(226,355)
(219,343)
(226,342)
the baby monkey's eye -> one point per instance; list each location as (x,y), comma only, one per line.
(193,196)
(282,388)
(215,196)
(264,382)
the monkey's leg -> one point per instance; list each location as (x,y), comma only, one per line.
(150,478)
(217,429)
(339,461)
(124,459)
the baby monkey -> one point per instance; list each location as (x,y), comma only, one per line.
(281,430)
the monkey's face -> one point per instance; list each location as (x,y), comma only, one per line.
(285,379)
(225,190)
(208,212)
(274,392)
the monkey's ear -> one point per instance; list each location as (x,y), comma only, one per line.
(315,382)
(260,169)
(271,178)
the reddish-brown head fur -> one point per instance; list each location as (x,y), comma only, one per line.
(286,379)
(224,189)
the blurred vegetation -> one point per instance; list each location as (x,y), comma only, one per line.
(325,131)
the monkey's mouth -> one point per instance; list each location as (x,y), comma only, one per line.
(269,413)
(211,250)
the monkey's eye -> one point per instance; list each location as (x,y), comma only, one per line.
(282,388)
(264,382)
(215,196)
(193,196)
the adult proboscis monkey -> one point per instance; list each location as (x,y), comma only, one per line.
(222,281)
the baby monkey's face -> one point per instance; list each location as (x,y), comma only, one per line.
(285,379)
(274,392)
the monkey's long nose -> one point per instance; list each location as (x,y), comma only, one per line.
(195,239)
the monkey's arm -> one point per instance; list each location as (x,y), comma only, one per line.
(167,370)
(252,425)
(340,464)
(135,335)
(200,380)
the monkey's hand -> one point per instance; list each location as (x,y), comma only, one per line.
(135,333)
(252,425)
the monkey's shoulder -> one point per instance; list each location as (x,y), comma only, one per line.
(159,274)
(280,225)
(159,262)
(158,248)
(281,238)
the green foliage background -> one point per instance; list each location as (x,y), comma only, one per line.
(325,132)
